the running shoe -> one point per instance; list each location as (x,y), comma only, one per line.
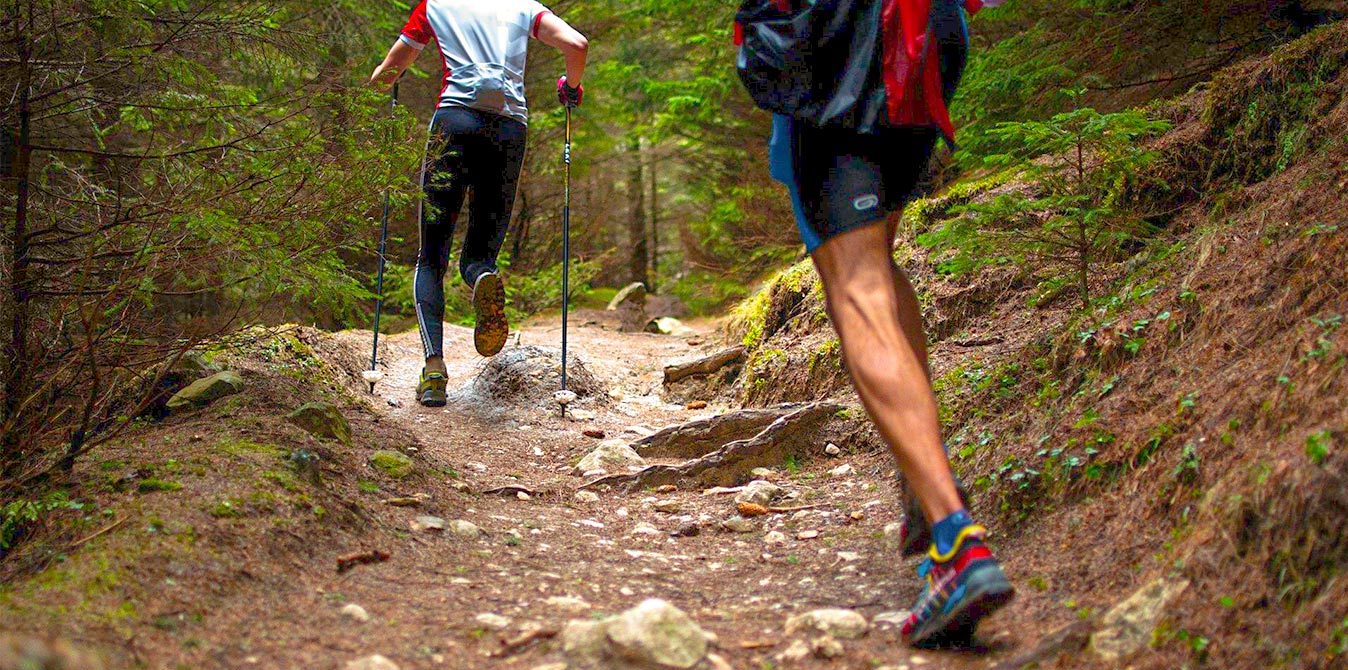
(431,390)
(915,534)
(489,307)
(963,586)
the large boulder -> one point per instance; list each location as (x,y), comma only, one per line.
(654,634)
(204,391)
(630,304)
(322,420)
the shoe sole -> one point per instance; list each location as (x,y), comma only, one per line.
(432,399)
(985,594)
(489,336)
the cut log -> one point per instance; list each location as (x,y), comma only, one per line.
(698,438)
(703,366)
(788,436)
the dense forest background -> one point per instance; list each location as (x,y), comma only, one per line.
(175,170)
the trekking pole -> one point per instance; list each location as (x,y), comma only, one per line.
(374,375)
(564,396)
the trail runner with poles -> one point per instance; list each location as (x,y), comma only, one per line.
(476,149)
(858,91)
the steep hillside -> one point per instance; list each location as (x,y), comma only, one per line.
(1191,425)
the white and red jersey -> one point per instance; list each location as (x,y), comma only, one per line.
(484,44)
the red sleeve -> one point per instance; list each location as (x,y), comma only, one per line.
(538,18)
(418,30)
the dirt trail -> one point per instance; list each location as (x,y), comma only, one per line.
(613,553)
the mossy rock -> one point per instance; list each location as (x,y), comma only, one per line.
(322,420)
(392,463)
(204,391)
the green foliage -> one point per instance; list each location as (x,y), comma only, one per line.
(17,516)
(542,290)
(1080,168)
(200,168)
(1317,446)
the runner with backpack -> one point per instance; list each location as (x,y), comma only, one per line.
(476,148)
(858,90)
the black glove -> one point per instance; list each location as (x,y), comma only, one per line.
(569,97)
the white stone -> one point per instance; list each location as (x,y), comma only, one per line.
(375,662)
(759,492)
(836,622)
(646,529)
(567,604)
(774,537)
(587,497)
(892,540)
(841,471)
(492,621)
(797,651)
(654,634)
(422,523)
(739,524)
(826,646)
(610,455)
(807,535)
(832,449)
(465,529)
(355,613)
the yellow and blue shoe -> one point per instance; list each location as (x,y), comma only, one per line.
(963,586)
(431,390)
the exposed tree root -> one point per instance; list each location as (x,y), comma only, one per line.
(789,435)
(698,438)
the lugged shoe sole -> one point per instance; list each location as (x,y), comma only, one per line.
(984,595)
(492,329)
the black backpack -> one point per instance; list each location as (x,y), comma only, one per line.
(836,62)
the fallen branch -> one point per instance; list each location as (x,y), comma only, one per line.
(517,644)
(347,561)
(509,490)
(703,366)
(108,529)
(979,342)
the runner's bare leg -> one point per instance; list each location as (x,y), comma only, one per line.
(875,311)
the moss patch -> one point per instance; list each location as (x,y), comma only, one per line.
(392,463)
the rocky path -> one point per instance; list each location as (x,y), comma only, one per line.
(536,552)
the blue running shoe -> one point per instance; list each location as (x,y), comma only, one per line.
(962,587)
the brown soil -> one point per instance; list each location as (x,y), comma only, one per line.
(238,568)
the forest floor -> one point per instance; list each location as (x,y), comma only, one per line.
(185,582)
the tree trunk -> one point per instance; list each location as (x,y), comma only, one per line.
(655,226)
(16,294)
(636,223)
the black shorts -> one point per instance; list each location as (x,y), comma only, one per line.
(841,180)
